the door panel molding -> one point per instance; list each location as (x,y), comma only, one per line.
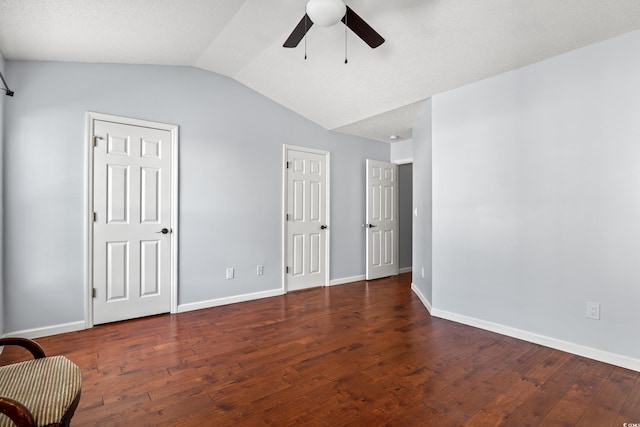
(149,149)
(297,211)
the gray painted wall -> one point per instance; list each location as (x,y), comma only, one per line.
(2,101)
(230,181)
(422,203)
(536,198)
(405,207)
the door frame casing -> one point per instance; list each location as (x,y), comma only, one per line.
(90,118)
(327,156)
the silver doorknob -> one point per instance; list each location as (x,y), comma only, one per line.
(369,225)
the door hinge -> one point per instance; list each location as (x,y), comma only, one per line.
(286,217)
(93,292)
(95,140)
(288,165)
(286,270)
(94,216)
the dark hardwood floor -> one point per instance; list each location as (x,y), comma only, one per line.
(362,354)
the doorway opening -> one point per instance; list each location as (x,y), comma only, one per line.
(405,216)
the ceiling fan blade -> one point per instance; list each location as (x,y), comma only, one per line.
(298,32)
(362,29)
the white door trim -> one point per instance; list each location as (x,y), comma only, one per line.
(327,155)
(91,117)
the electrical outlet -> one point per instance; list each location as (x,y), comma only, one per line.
(229,273)
(593,310)
(423,272)
(260,270)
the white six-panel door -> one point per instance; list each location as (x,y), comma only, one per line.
(306,219)
(132,205)
(382,222)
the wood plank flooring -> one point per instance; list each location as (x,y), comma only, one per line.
(362,354)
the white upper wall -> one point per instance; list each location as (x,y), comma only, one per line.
(536,198)
(231,142)
(402,151)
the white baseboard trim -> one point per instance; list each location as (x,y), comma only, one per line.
(423,299)
(182,308)
(405,270)
(569,347)
(345,280)
(49,330)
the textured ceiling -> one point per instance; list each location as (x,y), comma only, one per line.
(431,46)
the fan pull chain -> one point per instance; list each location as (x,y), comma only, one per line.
(345,38)
(305,36)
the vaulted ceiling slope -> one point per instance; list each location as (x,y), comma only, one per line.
(431,46)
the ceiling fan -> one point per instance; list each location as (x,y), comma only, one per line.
(330,12)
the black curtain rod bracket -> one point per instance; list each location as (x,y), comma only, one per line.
(6,88)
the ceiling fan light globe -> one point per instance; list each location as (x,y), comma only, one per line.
(326,12)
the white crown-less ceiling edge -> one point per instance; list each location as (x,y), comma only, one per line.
(431,46)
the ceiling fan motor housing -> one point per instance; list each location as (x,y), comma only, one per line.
(326,12)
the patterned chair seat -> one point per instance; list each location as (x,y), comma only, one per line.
(48,388)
